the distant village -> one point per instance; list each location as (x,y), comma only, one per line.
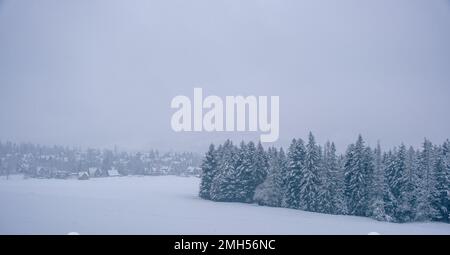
(36,161)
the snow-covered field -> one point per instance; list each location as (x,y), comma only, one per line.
(162,205)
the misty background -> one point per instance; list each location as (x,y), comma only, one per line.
(103,73)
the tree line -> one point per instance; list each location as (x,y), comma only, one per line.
(399,185)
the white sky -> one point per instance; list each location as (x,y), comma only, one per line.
(103,73)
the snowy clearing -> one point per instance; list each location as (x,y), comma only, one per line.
(162,205)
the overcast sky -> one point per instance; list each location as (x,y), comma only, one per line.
(103,73)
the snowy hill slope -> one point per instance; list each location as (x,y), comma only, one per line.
(162,205)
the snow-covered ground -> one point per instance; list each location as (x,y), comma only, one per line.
(162,205)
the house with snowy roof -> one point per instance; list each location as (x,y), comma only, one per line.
(83,176)
(94,172)
(113,172)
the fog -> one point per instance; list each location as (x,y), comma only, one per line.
(103,73)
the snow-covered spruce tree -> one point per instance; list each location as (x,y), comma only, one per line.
(242,173)
(326,179)
(426,182)
(369,167)
(245,170)
(377,202)
(413,181)
(261,167)
(341,175)
(282,175)
(309,177)
(440,202)
(264,192)
(446,153)
(295,162)
(270,192)
(209,168)
(358,171)
(378,211)
(225,181)
(331,197)
(378,175)
(397,183)
(388,199)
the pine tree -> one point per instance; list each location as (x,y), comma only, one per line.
(309,177)
(369,173)
(271,191)
(388,198)
(246,170)
(440,198)
(377,203)
(378,172)
(397,182)
(209,167)
(225,183)
(326,192)
(281,179)
(413,181)
(446,152)
(261,167)
(426,182)
(296,159)
(332,200)
(243,172)
(357,184)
